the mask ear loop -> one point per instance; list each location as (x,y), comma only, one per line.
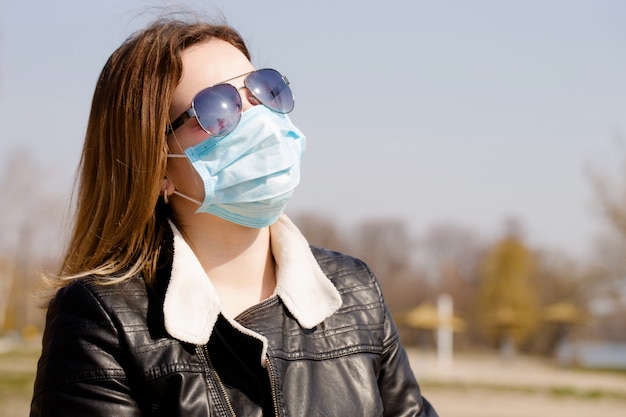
(166,197)
(180,156)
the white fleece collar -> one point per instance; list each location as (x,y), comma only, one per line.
(192,305)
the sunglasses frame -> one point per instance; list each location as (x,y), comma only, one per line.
(191,111)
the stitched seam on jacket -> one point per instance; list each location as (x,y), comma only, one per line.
(114,374)
(170,369)
(332,354)
(321,334)
(152,346)
(390,343)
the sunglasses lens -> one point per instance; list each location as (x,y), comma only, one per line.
(271,89)
(218,109)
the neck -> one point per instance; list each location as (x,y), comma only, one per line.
(237,259)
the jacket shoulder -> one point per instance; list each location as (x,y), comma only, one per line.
(348,274)
(80,340)
(363,310)
(123,304)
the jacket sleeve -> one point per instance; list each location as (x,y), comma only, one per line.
(399,389)
(80,371)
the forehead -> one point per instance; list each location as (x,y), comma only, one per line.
(206,64)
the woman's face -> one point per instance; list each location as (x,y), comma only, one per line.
(204,65)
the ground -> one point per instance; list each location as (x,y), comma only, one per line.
(487,386)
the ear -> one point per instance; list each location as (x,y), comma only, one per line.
(168,187)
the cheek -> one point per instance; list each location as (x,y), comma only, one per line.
(190,134)
(179,170)
(185,178)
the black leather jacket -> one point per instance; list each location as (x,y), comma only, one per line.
(107,351)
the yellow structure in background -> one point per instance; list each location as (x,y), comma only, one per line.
(442,321)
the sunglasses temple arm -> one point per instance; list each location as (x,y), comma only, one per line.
(180,120)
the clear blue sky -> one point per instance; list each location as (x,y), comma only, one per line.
(460,111)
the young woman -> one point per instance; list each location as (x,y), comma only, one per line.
(185,290)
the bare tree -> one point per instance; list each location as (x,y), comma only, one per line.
(389,250)
(451,254)
(321,231)
(608,289)
(385,245)
(31,224)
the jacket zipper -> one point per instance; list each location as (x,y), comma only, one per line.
(272,374)
(242,318)
(219,382)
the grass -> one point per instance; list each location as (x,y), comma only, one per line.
(16,384)
(17,376)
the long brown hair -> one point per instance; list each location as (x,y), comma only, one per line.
(120,220)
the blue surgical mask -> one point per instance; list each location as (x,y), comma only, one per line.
(250,174)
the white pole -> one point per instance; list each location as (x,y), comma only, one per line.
(444,333)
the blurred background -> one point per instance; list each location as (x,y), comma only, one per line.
(473,152)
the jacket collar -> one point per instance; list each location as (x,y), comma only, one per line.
(191,305)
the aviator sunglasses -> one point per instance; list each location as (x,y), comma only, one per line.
(218,108)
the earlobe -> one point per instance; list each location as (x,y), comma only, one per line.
(167,189)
